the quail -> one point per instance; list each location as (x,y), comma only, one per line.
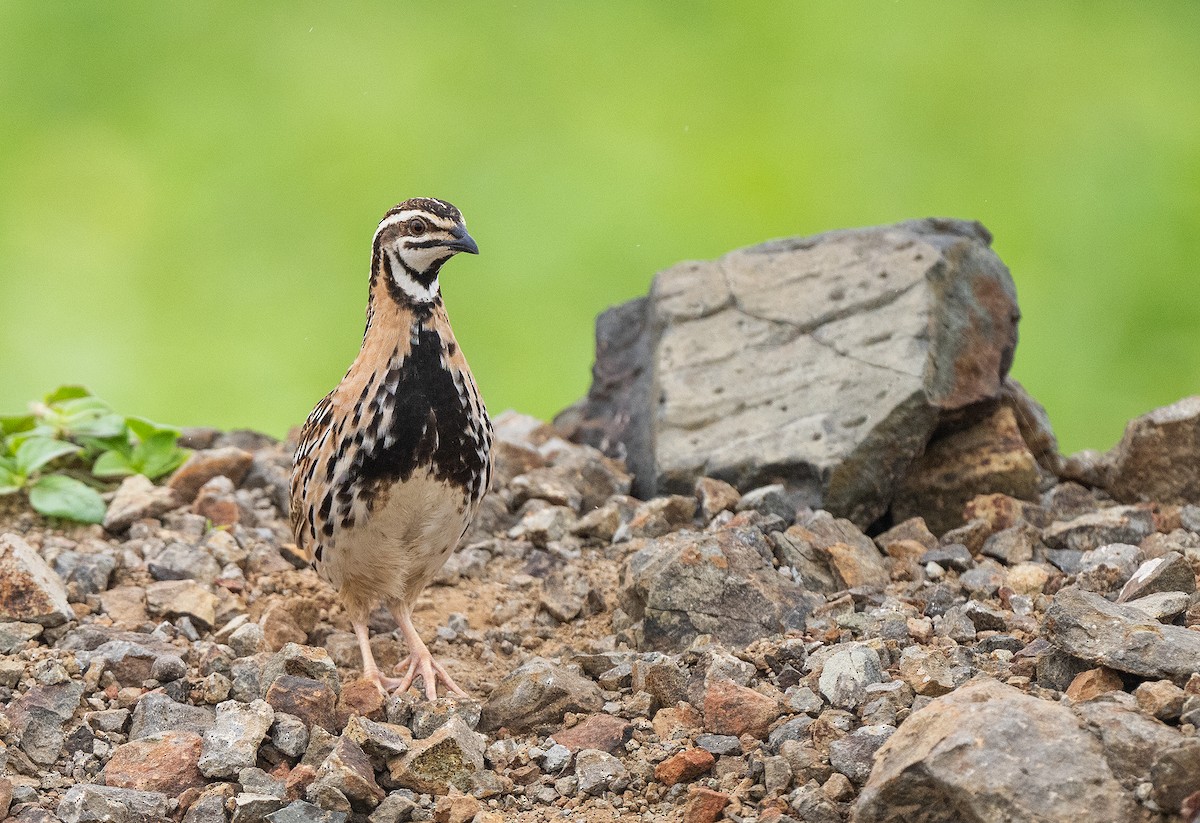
(392,464)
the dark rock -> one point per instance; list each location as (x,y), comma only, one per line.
(854,754)
(811,394)
(1158,459)
(536,696)
(953,556)
(1169,573)
(88,572)
(722,584)
(966,756)
(1120,524)
(1087,626)
(155,713)
(179,561)
(38,718)
(310,700)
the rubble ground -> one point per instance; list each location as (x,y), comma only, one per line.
(696,657)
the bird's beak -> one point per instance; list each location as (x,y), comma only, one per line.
(462,241)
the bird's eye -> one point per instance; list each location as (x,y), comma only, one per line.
(417,226)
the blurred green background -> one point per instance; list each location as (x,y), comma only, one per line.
(188,192)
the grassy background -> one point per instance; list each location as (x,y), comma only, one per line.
(188,192)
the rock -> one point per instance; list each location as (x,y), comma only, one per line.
(599,772)
(768,365)
(1158,459)
(536,696)
(126,605)
(1087,626)
(737,710)
(966,756)
(769,501)
(564,598)
(704,805)
(302,661)
(581,478)
(1013,545)
(156,714)
(232,743)
(1168,573)
(84,573)
(685,766)
(429,716)
(1092,683)
(913,529)
(1173,774)
(929,673)
(30,591)
(1119,524)
(38,718)
(598,731)
(205,464)
(289,734)
(448,757)
(312,701)
(179,561)
(394,809)
(659,516)
(854,754)
(299,811)
(1108,567)
(847,673)
(14,636)
(1129,739)
(167,763)
(1161,606)
(348,770)
(456,808)
(1160,698)
(182,598)
(684,585)
(851,555)
(360,697)
(989,456)
(217,504)
(84,803)
(137,498)
(715,496)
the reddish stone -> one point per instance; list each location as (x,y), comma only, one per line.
(1093,683)
(737,710)
(298,781)
(687,765)
(204,465)
(216,503)
(5,795)
(363,698)
(310,700)
(456,808)
(704,805)
(598,731)
(164,763)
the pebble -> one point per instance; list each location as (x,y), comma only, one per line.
(847,673)
(232,743)
(598,772)
(30,591)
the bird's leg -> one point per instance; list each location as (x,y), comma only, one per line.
(420,661)
(370,669)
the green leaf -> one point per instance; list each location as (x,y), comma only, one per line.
(158,455)
(88,417)
(38,451)
(65,393)
(113,464)
(144,429)
(10,480)
(17,423)
(58,496)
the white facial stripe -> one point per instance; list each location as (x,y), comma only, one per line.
(418,293)
(408,214)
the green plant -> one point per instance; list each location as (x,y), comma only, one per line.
(61,453)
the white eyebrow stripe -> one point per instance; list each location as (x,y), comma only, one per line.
(408,214)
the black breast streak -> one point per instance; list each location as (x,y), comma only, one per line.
(431,426)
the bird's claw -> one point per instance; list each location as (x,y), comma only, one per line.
(430,671)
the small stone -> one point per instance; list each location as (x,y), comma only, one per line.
(137,498)
(556,758)
(85,803)
(179,561)
(456,808)
(951,556)
(167,763)
(563,597)
(289,734)
(675,722)
(537,695)
(543,525)
(217,504)
(598,731)
(167,668)
(182,598)
(126,606)
(838,787)
(1120,524)
(599,772)
(1169,573)
(448,757)
(602,523)
(38,717)
(299,811)
(247,640)
(30,591)
(657,517)
(1157,459)
(847,673)
(84,573)
(685,766)
(1013,545)
(1028,578)
(777,774)
(348,770)
(719,744)
(302,661)
(359,697)
(381,741)
(704,805)
(716,496)
(928,672)
(767,501)
(310,700)
(232,743)
(395,808)
(206,464)
(1092,683)
(252,807)
(156,713)
(737,710)
(854,754)
(1160,698)
(1161,605)
(1173,774)
(955,625)
(14,636)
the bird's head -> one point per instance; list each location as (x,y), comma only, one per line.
(412,242)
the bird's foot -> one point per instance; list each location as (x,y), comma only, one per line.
(430,671)
(386,685)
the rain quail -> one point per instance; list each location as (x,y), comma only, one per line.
(392,464)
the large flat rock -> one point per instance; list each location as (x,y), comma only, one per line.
(824,363)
